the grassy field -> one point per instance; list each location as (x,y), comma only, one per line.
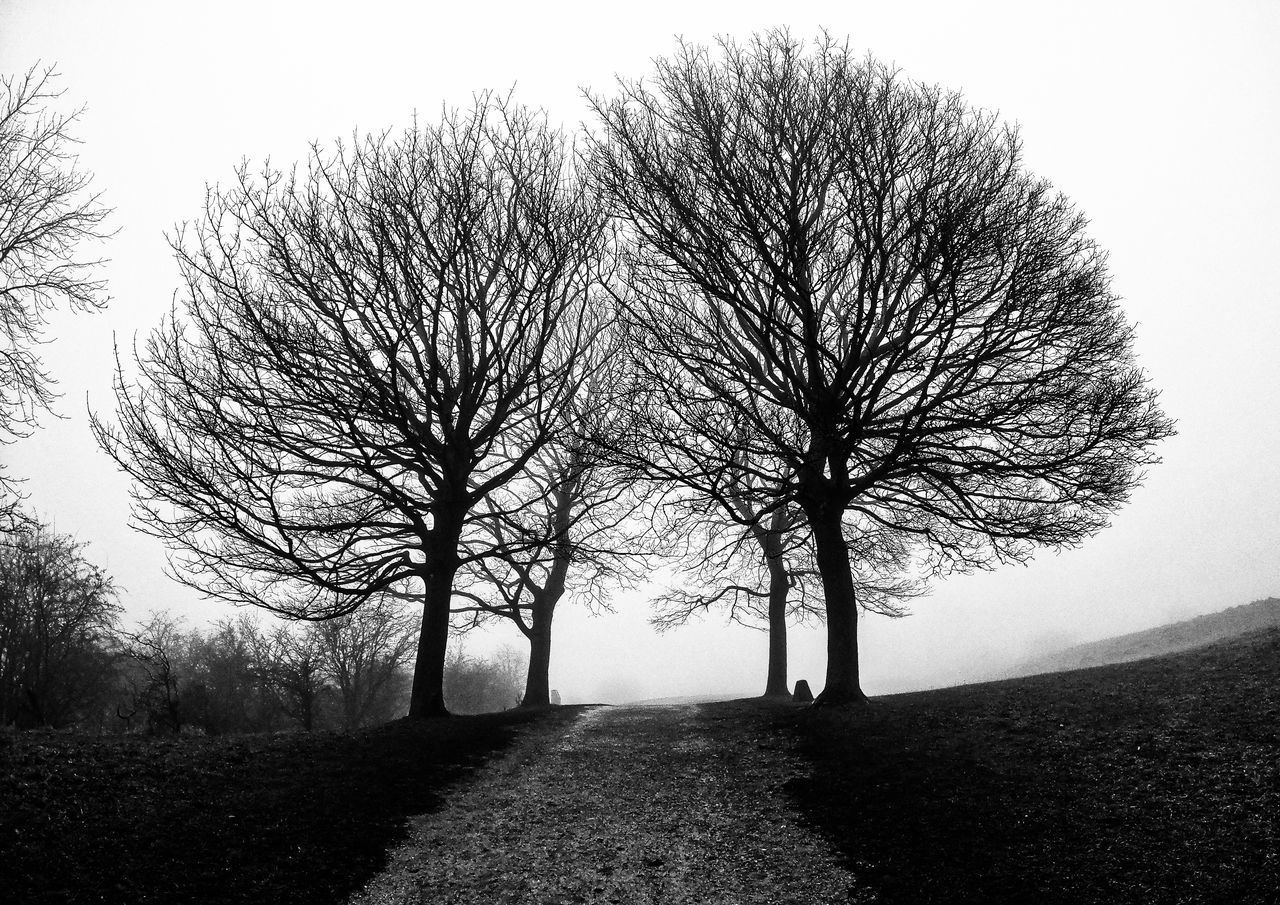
(1156,781)
(261,819)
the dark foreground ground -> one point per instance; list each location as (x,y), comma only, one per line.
(1156,781)
(258,819)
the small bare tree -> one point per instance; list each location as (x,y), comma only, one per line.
(158,682)
(290,662)
(569,525)
(363,654)
(47,212)
(57,612)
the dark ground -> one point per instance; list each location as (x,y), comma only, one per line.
(256,819)
(1156,781)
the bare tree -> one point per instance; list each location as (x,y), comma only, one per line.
(290,662)
(366,352)
(568,525)
(57,612)
(854,275)
(157,650)
(226,689)
(47,212)
(363,654)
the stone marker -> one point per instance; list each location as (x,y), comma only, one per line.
(803,695)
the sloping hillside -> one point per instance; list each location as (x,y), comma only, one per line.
(1151,781)
(1163,639)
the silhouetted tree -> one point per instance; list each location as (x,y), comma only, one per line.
(484,685)
(57,612)
(568,524)
(158,681)
(363,654)
(226,688)
(853,276)
(290,662)
(46,214)
(366,352)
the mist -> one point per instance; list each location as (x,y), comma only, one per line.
(1171,162)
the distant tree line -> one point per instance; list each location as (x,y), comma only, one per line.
(800,330)
(67,661)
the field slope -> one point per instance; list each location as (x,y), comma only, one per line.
(1163,639)
(1151,781)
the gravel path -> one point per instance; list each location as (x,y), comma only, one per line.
(631,805)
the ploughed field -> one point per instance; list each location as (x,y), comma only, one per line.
(1151,781)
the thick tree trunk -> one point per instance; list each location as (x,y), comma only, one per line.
(537,686)
(842,685)
(776,683)
(427,696)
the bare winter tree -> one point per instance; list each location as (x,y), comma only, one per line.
(761,571)
(569,524)
(290,663)
(366,351)
(859,271)
(47,212)
(57,612)
(158,682)
(363,654)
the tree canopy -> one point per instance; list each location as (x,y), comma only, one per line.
(366,350)
(853,278)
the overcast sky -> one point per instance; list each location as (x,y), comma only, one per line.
(1159,120)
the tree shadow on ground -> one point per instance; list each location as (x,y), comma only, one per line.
(281,819)
(1149,781)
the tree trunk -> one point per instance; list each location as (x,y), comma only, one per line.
(776,683)
(427,696)
(770,541)
(308,708)
(842,686)
(537,686)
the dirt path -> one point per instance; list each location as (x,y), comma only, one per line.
(632,805)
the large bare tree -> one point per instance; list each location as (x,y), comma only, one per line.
(855,276)
(47,213)
(366,350)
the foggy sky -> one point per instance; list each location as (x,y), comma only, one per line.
(1158,120)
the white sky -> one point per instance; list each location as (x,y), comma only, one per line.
(1160,120)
